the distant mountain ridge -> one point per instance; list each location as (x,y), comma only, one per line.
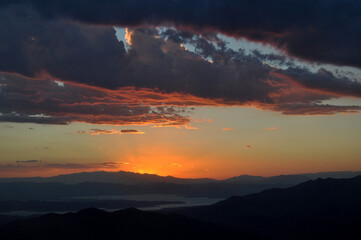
(123,177)
(131,178)
(140,184)
(317,209)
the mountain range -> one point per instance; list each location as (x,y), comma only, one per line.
(125,183)
(124,224)
(317,209)
(131,178)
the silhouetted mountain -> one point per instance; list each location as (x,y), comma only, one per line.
(128,178)
(240,186)
(124,224)
(317,209)
(291,179)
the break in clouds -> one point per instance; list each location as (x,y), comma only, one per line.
(59,66)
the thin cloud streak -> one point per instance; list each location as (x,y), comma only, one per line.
(112,131)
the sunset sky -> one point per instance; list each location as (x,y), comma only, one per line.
(184,88)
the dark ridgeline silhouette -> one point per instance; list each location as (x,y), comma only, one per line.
(125,183)
(317,209)
(131,178)
(124,224)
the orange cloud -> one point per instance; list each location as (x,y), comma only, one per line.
(270,129)
(100,131)
(202,120)
(227,129)
(130,131)
(190,127)
(176,165)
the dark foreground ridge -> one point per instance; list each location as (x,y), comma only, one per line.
(317,209)
(124,224)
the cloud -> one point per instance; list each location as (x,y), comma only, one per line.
(227,129)
(131,131)
(190,127)
(248,146)
(28,161)
(323,31)
(112,131)
(43,102)
(202,120)
(154,82)
(184,126)
(322,80)
(100,131)
(176,165)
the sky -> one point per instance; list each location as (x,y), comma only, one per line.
(184,88)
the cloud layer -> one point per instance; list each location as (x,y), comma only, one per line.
(58,71)
(321,30)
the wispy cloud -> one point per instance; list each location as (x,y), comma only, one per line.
(202,120)
(227,129)
(96,131)
(175,165)
(29,161)
(101,131)
(270,129)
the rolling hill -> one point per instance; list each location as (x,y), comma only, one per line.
(124,224)
(317,209)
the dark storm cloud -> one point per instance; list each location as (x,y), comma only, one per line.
(101,83)
(318,30)
(214,48)
(80,53)
(324,80)
(45,102)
